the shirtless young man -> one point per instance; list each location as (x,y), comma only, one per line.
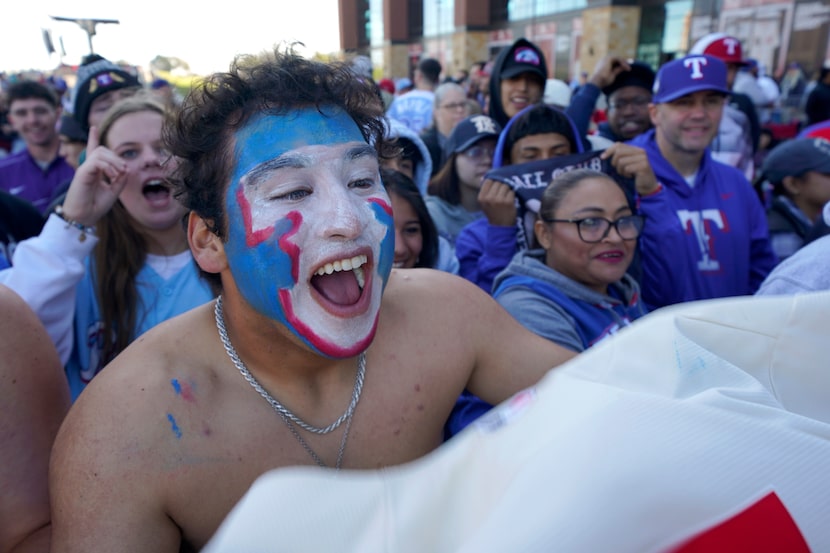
(284,187)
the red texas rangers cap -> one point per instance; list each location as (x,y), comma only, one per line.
(722,46)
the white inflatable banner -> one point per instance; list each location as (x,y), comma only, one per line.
(703,427)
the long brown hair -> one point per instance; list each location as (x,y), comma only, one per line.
(121,250)
(446,184)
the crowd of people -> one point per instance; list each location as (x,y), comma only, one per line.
(274,224)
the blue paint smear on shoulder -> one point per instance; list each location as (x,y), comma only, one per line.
(175,427)
(176,386)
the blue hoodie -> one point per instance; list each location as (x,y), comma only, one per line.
(482,249)
(557,308)
(706,241)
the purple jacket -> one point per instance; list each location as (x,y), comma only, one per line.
(710,241)
(21,176)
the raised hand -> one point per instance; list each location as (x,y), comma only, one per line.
(96,184)
(631,161)
(607,70)
(498,202)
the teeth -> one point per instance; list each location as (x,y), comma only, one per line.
(350,264)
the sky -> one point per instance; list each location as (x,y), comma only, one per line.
(206,36)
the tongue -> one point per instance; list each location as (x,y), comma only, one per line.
(157,193)
(339,287)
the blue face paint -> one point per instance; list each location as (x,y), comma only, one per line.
(174,427)
(306,195)
(265,136)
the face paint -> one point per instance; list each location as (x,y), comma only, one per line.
(177,432)
(183,390)
(310,234)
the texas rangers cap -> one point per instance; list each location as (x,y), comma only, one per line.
(687,75)
(722,46)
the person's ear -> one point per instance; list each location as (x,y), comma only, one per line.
(542,232)
(208,249)
(792,185)
(652,113)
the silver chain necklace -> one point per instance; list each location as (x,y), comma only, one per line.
(289,418)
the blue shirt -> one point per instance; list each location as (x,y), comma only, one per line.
(413,109)
(158,300)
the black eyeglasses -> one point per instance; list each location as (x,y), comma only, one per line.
(595,229)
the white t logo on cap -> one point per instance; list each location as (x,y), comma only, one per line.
(822,145)
(695,64)
(484,124)
(731,44)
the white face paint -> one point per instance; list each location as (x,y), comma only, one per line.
(311,240)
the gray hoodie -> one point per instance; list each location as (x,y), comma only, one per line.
(423,170)
(569,313)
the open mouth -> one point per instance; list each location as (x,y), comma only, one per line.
(156,190)
(341,282)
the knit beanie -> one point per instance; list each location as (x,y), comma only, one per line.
(95,79)
(541,119)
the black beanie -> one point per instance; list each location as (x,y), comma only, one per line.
(95,79)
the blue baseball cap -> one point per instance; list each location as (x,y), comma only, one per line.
(469,131)
(688,75)
(795,157)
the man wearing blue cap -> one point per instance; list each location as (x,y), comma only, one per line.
(706,233)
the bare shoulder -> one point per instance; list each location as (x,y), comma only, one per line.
(430,289)
(34,398)
(457,326)
(138,385)
(443,301)
(118,445)
(22,336)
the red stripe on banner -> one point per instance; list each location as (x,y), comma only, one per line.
(764,527)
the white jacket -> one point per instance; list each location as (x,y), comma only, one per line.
(45,272)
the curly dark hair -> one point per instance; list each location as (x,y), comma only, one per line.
(201,136)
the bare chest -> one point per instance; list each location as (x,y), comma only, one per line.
(221,451)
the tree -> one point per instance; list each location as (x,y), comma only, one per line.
(168,63)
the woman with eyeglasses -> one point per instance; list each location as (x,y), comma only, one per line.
(449,109)
(453,191)
(574,290)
